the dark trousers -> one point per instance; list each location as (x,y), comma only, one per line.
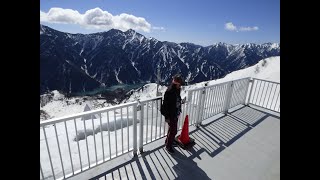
(172,131)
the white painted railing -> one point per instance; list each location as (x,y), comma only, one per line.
(265,94)
(208,101)
(152,125)
(81,143)
(73,144)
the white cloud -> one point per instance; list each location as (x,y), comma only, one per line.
(43,17)
(127,21)
(231,27)
(59,15)
(95,19)
(159,28)
(255,28)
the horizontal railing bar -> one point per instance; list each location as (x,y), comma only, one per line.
(152,99)
(196,89)
(267,81)
(220,84)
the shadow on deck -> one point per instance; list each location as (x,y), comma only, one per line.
(211,139)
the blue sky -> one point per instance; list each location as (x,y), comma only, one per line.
(202,22)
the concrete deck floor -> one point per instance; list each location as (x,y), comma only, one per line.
(243,145)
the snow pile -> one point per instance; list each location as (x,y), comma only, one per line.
(59,106)
(57,95)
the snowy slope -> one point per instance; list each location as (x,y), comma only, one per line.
(268,69)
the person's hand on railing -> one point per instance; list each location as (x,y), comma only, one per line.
(183,100)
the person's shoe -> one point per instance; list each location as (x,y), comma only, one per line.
(170,151)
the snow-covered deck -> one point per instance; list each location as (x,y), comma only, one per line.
(243,145)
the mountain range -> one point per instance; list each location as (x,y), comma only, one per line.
(74,63)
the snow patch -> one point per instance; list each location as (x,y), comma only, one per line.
(133,64)
(116,74)
(81,51)
(204,62)
(57,95)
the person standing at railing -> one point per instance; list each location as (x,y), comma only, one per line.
(172,109)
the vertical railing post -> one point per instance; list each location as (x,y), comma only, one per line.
(201,106)
(249,95)
(140,108)
(135,130)
(228,97)
(189,99)
(199,97)
(195,106)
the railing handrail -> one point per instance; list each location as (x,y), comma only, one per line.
(96,111)
(78,115)
(219,84)
(151,99)
(267,80)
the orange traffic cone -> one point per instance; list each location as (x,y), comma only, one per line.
(183,139)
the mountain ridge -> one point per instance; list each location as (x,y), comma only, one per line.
(83,62)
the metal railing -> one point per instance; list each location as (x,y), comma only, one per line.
(81,143)
(152,125)
(151,121)
(265,94)
(208,101)
(239,92)
(73,144)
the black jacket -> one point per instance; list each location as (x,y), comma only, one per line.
(170,100)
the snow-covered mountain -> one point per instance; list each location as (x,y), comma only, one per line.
(58,105)
(82,62)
